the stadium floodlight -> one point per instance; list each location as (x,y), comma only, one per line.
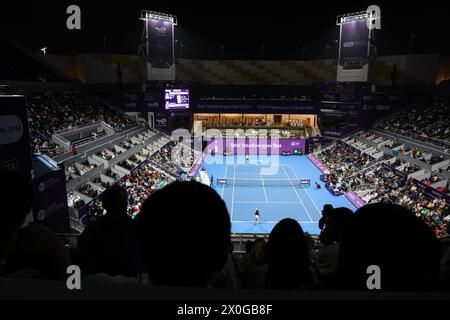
(351,16)
(146,15)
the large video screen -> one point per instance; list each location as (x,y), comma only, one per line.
(176,99)
(354,41)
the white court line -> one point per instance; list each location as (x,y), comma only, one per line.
(295,190)
(246,165)
(320,212)
(273,221)
(264,190)
(232,197)
(277,179)
(223,186)
(276,202)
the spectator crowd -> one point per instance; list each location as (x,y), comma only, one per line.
(384,186)
(51,112)
(428,120)
(379,184)
(161,246)
(138,185)
(172,157)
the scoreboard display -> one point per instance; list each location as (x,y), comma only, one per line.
(176,99)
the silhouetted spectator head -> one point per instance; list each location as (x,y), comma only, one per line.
(288,256)
(394,239)
(38,248)
(337,221)
(248,246)
(327,209)
(184,234)
(15,199)
(115,200)
(258,252)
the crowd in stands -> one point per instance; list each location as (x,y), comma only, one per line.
(421,155)
(72,169)
(74,200)
(88,190)
(161,247)
(428,120)
(52,111)
(250,121)
(98,180)
(126,164)
(83,168)
(343,160)
(142,184)
(139,186)
(173,156)
(386,187)
(111,174)
(386,157)
(405,167)
(108,154)
(432,179)
(381,184)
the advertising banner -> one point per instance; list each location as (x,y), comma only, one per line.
(50,202)
(355,199)
(318,164)
(162,121)
(132,101)
(285,106)
(15,153)
(196,168)
(140,101)
(256,146)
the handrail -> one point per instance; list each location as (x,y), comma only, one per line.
(364,170)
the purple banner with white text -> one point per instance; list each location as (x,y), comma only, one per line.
(257,146)
(318,164)
(355,199)
(196,168)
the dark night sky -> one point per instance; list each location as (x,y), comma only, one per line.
(241,26)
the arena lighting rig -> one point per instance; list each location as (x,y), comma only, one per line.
(351,16)
(373,15)
(146,14)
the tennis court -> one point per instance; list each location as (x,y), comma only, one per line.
(280,194)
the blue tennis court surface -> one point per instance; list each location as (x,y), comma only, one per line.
(249,187)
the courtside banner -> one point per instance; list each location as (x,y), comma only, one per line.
(318,164)
(255,146)
(50,203)
(286,106)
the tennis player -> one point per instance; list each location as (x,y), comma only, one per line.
(257,216)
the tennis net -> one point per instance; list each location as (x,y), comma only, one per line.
(304,182)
